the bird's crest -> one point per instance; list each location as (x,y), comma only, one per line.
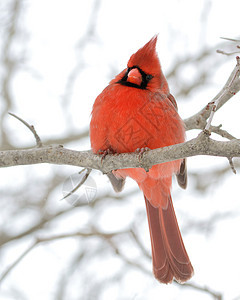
(146,58)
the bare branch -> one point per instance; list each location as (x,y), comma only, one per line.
(201,145)
(127,260)
(90,34)
(47,218)
(139,244)
(221,132)
(227,53)
(230,53)
(9,63)
(232,165)
(17,261)
(229,39)
(208,224)
(230,89)
(63,140)
(202,181)
(31,128)
(205,289)
(85,177)
(40,240)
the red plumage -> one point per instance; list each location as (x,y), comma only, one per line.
(136,110)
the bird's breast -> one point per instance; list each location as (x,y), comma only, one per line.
(135,118)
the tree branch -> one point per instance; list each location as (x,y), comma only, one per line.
(39,240)
(31,128)
(201,145)
(205,289)
(231,88)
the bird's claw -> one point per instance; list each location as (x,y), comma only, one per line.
(104,153)
(140,151)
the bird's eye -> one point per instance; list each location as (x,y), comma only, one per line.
(149,77)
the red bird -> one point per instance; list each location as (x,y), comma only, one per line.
(136,110)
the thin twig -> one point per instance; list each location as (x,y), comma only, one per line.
(31,128)
(9,62)
(221,132)
(39,240)
(227,89)
(205,289)
(232,165)
(139,244)
(85,177)
(227,53)
(198,121)
(17,261)
(229,39)
(127,260)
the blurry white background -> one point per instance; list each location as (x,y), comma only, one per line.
(56,57)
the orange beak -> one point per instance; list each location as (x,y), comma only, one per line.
(134,76)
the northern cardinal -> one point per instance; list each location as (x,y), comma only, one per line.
(137,111)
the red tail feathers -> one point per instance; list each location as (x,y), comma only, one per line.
(169,257)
